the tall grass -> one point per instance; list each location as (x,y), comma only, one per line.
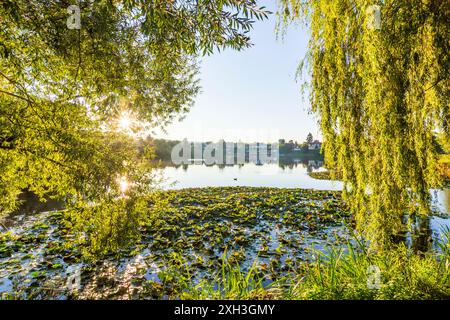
(355,273)
(349,272)
(232,283)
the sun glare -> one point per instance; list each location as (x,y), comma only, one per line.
(125,121)
(123,184)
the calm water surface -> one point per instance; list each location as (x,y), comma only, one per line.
(293,174)
(290,174)
(17,271)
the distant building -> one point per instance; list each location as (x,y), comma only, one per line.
(315,145)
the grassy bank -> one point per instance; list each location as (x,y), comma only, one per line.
(341,273)
(210,243)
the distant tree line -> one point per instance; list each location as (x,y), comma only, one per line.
(291,145)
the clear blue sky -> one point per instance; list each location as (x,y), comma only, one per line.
(252,94)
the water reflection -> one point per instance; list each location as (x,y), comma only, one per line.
(30,205)
(293,173)
(289,172)
(421,234)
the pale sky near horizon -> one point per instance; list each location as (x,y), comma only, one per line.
(251,95)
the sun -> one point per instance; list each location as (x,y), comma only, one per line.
(124,184)
(125,121)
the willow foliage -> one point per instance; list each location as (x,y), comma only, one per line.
(381,91)
(62,89)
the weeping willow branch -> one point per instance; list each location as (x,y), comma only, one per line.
(381,93)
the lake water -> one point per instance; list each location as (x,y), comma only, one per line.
(29,272)
(289,174)
(294,175)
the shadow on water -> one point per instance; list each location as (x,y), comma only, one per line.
(30,205)
(418,237)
